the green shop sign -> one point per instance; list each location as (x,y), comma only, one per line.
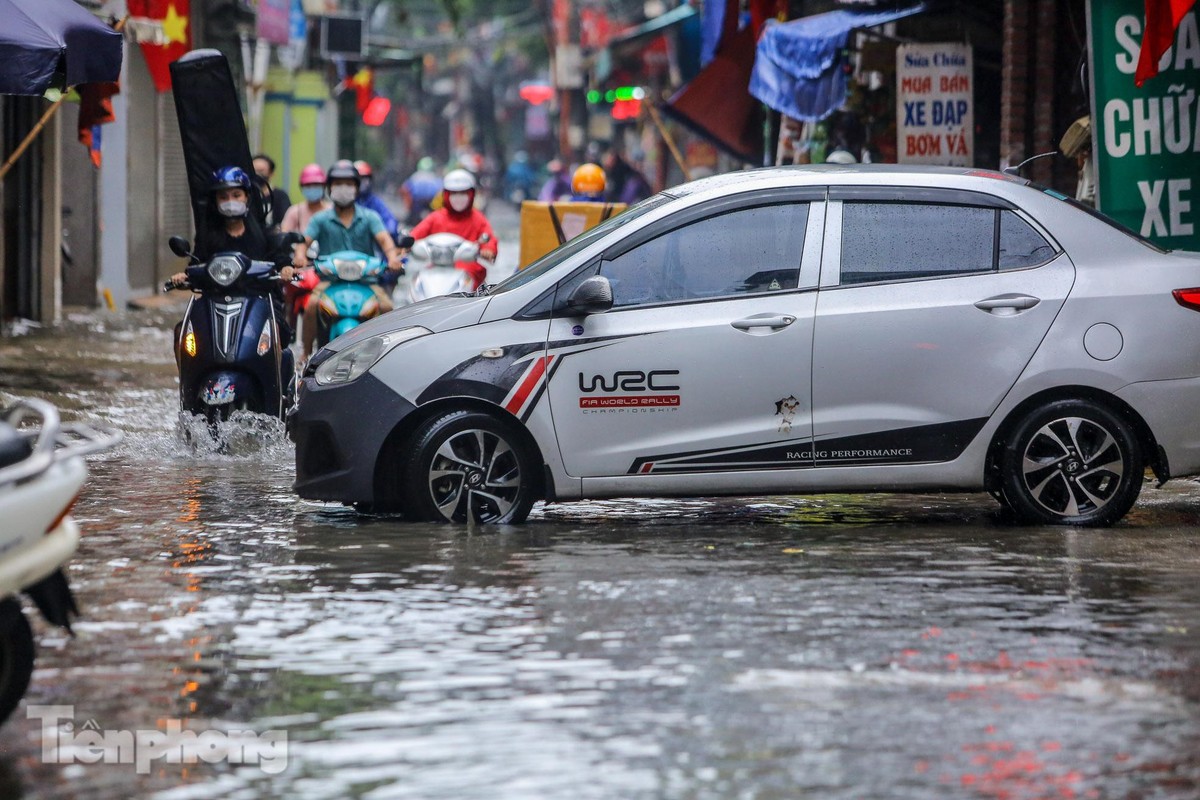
(1146,142)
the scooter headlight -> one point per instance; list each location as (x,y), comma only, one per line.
(356,359)
(349,269)
(224,270)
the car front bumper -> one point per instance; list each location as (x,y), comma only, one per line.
(339,431)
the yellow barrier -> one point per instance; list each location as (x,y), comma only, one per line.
(544,226)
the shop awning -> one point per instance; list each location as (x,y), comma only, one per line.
(603,64)
(717,106)
(653,27)
(797,67)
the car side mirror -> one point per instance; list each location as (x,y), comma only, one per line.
(593,296)
(405,242)
(180,246)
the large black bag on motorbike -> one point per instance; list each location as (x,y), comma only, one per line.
(211,127)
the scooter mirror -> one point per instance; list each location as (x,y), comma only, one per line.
(180,246)
(314,250)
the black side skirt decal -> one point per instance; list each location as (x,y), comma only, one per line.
(917,445)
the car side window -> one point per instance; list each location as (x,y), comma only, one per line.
(1020,245)
(747,251)
(903,241)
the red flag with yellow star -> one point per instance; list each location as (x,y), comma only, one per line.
(177,31)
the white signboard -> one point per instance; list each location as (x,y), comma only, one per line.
(935,112)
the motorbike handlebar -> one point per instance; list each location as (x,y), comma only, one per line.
(171,285)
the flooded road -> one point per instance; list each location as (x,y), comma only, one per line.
(826,647)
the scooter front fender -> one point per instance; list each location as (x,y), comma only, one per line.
(342,326)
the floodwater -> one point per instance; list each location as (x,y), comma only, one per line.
(824,647)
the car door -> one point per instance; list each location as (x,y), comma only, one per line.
(703,362)
(930,307)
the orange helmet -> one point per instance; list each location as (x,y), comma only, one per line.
(588,179)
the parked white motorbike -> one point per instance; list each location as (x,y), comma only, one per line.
(439,276)
(41,473)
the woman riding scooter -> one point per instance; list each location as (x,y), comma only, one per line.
(312,186)
(232,228)
(459,216)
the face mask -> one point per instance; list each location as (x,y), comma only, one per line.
(232,208)
(460,201)
(312,193)
(343,195)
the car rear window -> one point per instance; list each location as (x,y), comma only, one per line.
(894,241)
(1100,215)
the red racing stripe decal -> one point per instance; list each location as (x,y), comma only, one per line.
(513,406)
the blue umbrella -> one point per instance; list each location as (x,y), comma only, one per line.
(59,43)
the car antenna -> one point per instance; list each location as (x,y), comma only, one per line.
(1017,169)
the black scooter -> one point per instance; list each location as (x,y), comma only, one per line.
(229,349)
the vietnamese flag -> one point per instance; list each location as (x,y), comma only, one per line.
(1162,20)
(177,34)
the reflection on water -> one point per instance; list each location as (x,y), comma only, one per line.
(835,647)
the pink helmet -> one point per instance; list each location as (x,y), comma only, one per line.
(312,174)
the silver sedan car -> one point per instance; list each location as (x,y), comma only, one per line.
(782,331)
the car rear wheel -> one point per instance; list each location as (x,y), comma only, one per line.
(1072,462)
(16,656)
(470,463)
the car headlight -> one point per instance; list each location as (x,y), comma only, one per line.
(224,270)
(349,269)
(356,359)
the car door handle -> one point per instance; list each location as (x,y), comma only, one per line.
(1006,304)
(764,321)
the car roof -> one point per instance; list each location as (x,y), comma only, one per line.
(831,174)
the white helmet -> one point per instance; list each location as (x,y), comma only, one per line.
(458,180)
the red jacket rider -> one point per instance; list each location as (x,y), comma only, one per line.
(458,216)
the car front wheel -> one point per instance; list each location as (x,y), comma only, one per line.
(1072,462)
(16,656)
(470,463)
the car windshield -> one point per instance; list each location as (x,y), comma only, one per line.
(1107,220)
(570,248)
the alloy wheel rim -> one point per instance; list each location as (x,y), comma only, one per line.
(1073,466)
(474,472)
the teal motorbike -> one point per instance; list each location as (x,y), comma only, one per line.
(350,299)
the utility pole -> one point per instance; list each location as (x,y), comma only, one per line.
(568,72)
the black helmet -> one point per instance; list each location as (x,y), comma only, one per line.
(343,170)
(230,178)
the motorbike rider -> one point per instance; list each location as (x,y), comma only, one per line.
(420,190)
(558,185)
(346,226)
(587,184)
(459,216)
(230,227)
(264,168)
(368,198)
(312,186)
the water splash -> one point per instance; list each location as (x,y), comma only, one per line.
(245,435)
